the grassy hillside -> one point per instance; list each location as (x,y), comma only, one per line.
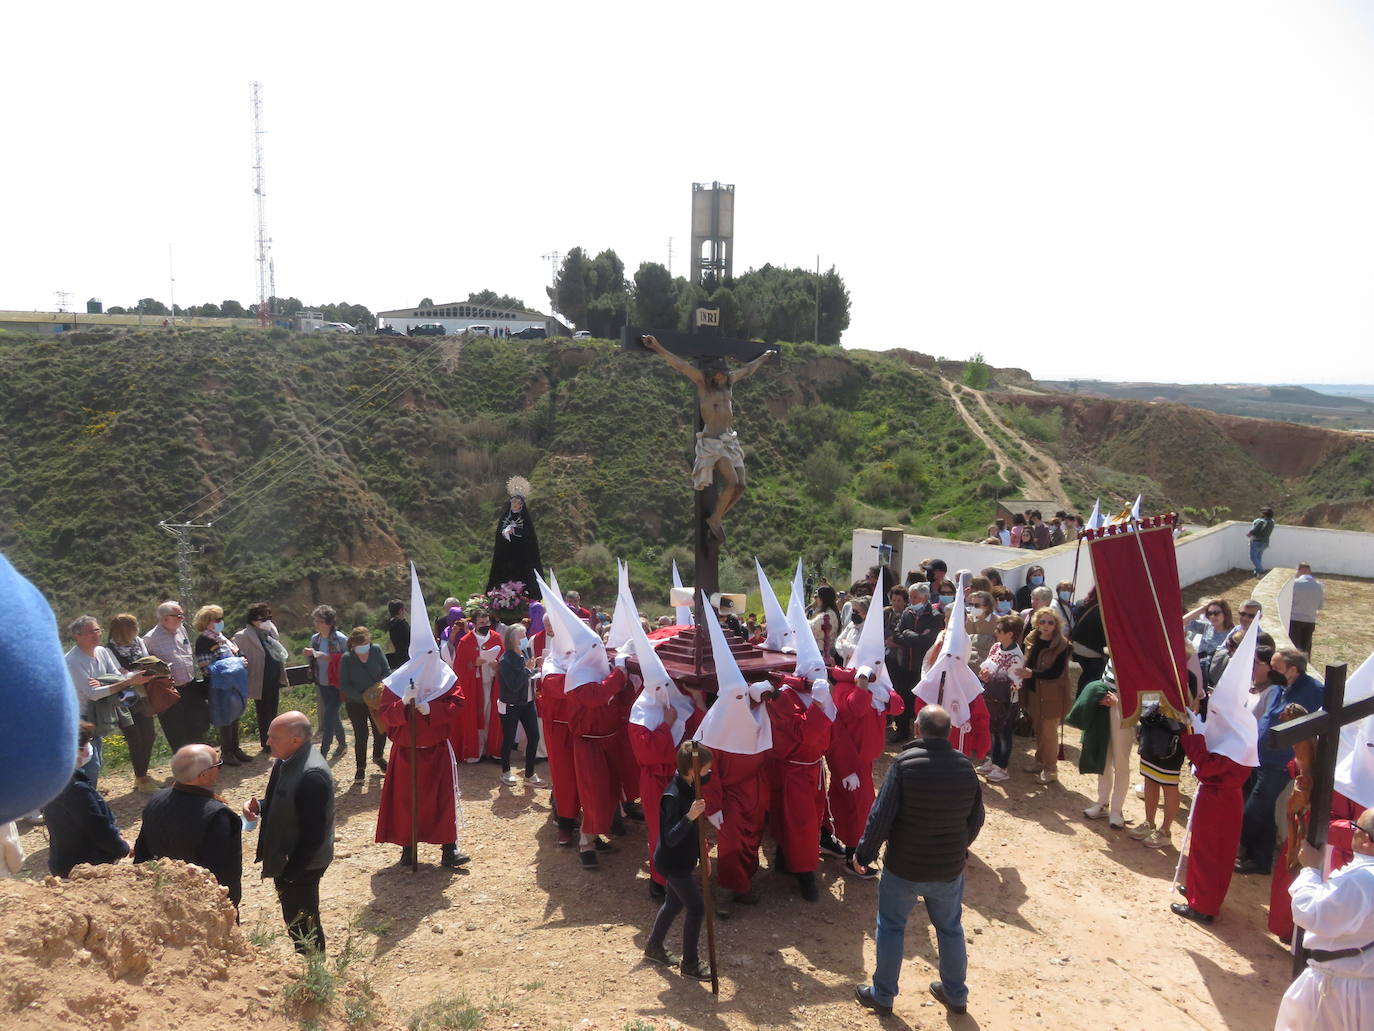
(374,450)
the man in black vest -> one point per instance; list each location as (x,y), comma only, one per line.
(296,841)
(188,821)
(929,812)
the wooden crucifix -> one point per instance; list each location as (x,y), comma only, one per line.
(1324,725)
(718,467)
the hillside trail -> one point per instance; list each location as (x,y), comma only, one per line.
(1034,484)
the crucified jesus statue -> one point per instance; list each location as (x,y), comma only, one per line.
(717,452)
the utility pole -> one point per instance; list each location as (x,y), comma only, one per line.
(670,257)
(553,258)
(265,271)
(62,296)
(185,549)
(171,284)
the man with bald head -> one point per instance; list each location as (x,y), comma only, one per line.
(1336,990)
(188,821)
(296,840)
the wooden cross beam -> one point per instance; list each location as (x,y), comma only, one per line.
(1324,725)
(695,345)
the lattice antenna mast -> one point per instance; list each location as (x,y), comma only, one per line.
(265,271)
(186,575)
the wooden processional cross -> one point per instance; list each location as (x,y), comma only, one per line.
(1325,726)
(700,346)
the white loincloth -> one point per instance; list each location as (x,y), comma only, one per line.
(709,451)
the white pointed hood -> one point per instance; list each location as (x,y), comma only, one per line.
(587,661)
(781,636)
(1230,729)
(730,724)
(951,682)
(810,662)
(659,691)
(1095,521)
(870,652)
(1135,509)
(625,613)
(425,676)
(559,646)
(1355,761)
(683,612)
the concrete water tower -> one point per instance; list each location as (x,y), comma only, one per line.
(713,231)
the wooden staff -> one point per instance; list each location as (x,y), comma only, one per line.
(414,786)
(705,873)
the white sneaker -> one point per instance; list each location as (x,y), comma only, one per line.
(984,767)
(534,780)
(508,779)
(1095,812)
(997,775)
(1143,831)
(1045,777)
(1116,821)
(1140,789)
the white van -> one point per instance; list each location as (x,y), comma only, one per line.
(479,329)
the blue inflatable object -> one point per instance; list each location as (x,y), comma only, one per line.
(38,733)
(228,690)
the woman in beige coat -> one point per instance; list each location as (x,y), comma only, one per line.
(1045,688)
(266,672)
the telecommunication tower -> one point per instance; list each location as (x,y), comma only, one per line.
(265,270)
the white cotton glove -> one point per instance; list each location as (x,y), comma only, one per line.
(866,672)
(757,691)
(422,708)
(621,658)
(1199,724)
(506,533)
(716,818)
(850,783)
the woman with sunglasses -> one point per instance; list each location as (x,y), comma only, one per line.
(1045,683)
(1209,633)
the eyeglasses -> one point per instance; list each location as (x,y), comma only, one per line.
(1047,622)
(1248,615)
(1214,612)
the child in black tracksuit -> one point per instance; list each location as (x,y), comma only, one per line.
(675,857)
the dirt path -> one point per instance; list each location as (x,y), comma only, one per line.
(1067,922)
(1034,484)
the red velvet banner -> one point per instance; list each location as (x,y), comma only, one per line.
(1137,587)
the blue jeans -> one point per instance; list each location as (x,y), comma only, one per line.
(1257,830)
(331,724)
(1257,555)
(944,904)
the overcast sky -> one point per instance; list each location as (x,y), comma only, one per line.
(1177,190)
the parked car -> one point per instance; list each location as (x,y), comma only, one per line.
(337,327)
(479,329)
(582,334)
(387,331)
(428,329)
(531,333)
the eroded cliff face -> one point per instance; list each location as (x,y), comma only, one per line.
(1202,458)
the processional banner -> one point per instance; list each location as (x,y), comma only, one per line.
(1137,586)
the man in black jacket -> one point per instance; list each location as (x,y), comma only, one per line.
(81,827)
(913,628)
(296,841)
(188,821)
(929,812)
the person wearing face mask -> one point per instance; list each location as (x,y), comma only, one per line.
(1035,577)
(1063,605)
(981,623)
(81,827)
(266,656)
(1003,601)
(1089,640)
(362,666)
(474,660)
(226,701)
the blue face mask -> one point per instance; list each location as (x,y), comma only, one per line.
(1035,581)
(362,650)
(1066,595)
(1003,608)
(219,627)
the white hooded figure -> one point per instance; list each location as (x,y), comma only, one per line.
(659,693)
(682,613)
(1230,728)
(869,658)
(731,724)
(951,683)
(625,614)
(586,653)
(1355,762)
(810,663)
(425,676)
(782,636)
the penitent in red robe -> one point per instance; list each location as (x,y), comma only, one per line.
(801,737)
(553,716)
(978,741)
(1216,820)
(623,755)
(436,772)
(594,721)
(477,713)
(855,742)
(738,789)
(1339,833)
(657,758)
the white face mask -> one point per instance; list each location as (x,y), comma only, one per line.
(362,650)
(84,755)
